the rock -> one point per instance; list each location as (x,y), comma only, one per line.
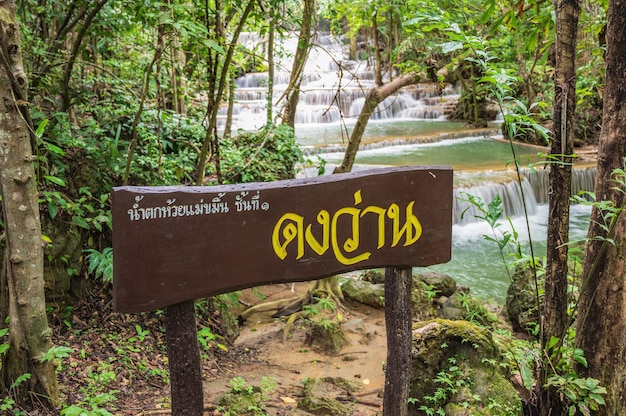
(326,337)
(373,276)
(455,367)
(521,301)
(321,395)
(462,306)
(364,292)
(442,284)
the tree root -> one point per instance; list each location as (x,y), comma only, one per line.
(292,307)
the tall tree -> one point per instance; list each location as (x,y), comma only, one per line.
(601,325)
(560,177)
(29,333)
(292,92)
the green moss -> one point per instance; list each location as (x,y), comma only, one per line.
(464,355)
(320,398)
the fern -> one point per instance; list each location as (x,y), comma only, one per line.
(100,264)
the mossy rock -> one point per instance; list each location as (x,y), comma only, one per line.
(462,306)
(63,259)
(521,301)
(320,395)
(465,356)
(440,283)
(375,276)
(364,292)
(326,337)
(243,402)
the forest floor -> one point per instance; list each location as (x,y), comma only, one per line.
(119,361)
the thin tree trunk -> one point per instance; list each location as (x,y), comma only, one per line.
(560,176)
(29,334)
(601,324)
(270,76)
(211,134)
(378,76)
(374,97)
(292,92)
(69,67)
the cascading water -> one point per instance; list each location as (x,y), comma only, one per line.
(333,89)
(410,129)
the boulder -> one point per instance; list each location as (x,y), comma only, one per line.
(322,396)
(364,292)
(521,301)
(441,284)
(455,368)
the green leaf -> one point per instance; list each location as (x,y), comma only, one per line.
(527,376)
(41,128)
(80,222)
(54,149)
(55,179)
(552,342)
(451,46)
(53,210)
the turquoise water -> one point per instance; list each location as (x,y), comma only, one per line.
(472,153)
(335,133)
(476,263)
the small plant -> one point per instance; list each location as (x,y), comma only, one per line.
(245,399)
(448,383)
(100,264)
(96,396)
(209,340)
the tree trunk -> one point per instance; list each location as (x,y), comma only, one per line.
(211,140)
(601,325)
(374,97)
(378,72)
(292,92)
(270,75)
(398,323)
(29,333)
(555,304)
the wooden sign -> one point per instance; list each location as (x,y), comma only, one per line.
(174,244)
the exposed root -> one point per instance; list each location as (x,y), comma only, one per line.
(292,307)
(267,306)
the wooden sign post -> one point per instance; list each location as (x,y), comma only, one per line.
(176,244)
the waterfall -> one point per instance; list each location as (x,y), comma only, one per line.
(582,180)
(332,87)
(534,186)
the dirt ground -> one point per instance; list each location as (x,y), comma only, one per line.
(125,355)
(291,362)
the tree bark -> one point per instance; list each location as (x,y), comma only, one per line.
(601,324)
(211,139)
(555,304)
(378,72)
(374,97)
(29,333)
(184,359)
(292,92)
(398,323)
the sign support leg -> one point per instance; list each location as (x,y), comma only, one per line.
(184,359)
(398,322)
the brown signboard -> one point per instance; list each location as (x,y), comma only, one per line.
(173,244)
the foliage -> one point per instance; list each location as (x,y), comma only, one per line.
(448,384)
(269,155)
(100,263)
